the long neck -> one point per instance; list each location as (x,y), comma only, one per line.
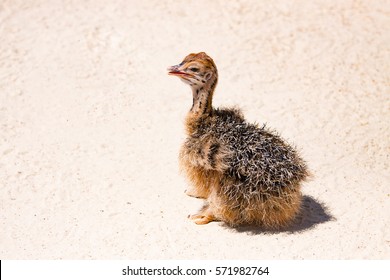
(202,99)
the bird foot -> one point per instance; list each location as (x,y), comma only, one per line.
(193,193)
(200,219)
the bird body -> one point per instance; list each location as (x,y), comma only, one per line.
(247,174)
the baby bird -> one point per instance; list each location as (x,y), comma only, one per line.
(247,174)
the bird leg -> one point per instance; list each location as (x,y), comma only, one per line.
(204,216)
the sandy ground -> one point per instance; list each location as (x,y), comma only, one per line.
(91,125)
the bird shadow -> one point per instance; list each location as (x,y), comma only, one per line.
(312,214)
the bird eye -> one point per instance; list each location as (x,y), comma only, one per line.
(193,69)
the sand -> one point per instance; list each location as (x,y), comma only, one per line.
(91,125)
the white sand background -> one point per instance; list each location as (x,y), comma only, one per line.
(91,125)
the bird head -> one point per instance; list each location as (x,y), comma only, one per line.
(197,70)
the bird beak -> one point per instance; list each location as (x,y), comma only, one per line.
(175,71)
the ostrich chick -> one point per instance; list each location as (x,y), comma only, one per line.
(246,173)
